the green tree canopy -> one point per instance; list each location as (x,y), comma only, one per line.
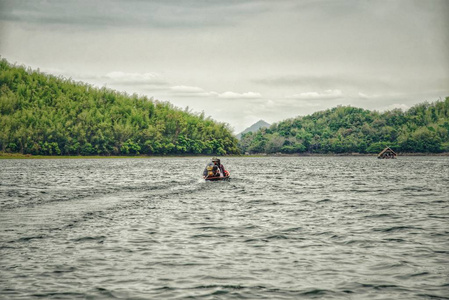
(49,115)
(346,129)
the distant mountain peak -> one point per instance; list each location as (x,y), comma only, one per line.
(253,128)
(261,122)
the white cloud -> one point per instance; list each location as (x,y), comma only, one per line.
(232,95)
(362,95)
(370,96)
(186,91)
(134,78)
(328,94)
(400,106)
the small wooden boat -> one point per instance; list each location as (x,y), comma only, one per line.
(226,176)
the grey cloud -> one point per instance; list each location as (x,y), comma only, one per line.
(132,13)
(324,82)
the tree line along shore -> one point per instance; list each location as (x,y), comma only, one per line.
(142,156)
(48,115)
(424,128)
(45,115)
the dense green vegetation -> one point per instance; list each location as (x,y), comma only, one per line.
(423,128)
(46,115)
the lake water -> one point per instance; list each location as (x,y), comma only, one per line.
(282,228)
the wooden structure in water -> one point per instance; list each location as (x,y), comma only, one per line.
(387,153)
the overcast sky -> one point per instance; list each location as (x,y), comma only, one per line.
(240,61)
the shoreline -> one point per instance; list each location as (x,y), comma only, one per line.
(30,156)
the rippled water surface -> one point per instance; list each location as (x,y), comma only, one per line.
(282,228)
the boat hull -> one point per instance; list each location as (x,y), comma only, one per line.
(217,178)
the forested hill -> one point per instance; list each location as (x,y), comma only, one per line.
(343,129)
(48,115)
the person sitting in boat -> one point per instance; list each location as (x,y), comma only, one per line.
(215,169)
